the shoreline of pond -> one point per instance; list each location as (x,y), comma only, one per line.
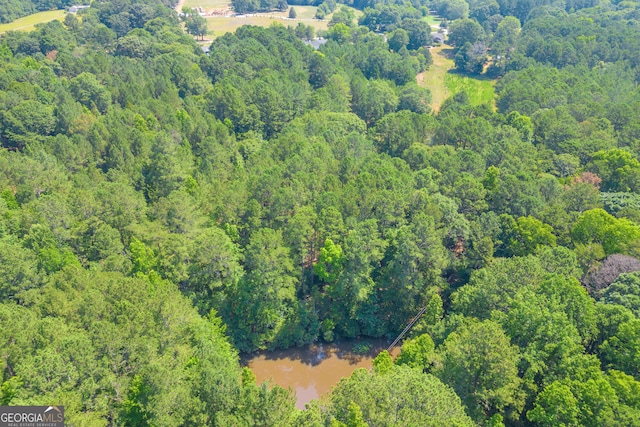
(312,370)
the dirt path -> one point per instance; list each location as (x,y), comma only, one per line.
(433,78)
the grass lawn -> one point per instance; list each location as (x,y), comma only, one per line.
(303,12)
(28,22)
(480,91)
(432,20)
(444,82)
(207,4)
(222,25)
(219,25)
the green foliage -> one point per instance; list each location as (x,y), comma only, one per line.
(418,31)
(622,350)
(142,257)
(195,24)
(306,194)
(481,365)
(117,343)
(417,352)
(9,389)
(265,406)
(400,396)
(471,58)
(615,235)
(15,9)
(17,268)
(396,132)
(330,263)
(398,39)
(618,169)
(266,297)
(526,234)
(625,291)
(452,10)
(355,419)
(479,91)
(465,31)
(523,124)
(373,99)
(493,287)
(133,412)
(383,363)
(9,199)
(415,98)
(344,15)
(86,89)
(27,122)
(555,406)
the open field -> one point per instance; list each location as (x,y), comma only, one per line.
(433,79)
(303,12)
(219,25)
(207,4)
(480,91)
(28,22)
(444,82)
(432,20)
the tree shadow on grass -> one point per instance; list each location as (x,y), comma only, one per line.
(447,52)
(482,77)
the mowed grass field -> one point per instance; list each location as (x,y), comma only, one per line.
(207,4)
(432,20)
(444,82)
(28,22)
(219,25)
(222,25)
(480,91)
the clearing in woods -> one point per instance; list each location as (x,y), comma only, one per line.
(443,82)
(221,18)
(219,25)
(207,4)
(27,23)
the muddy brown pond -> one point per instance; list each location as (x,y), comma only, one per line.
(313,370)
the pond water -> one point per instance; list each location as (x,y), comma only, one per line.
(312,370)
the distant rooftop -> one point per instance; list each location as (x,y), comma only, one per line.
(316,43)
(437,37)
(77,7)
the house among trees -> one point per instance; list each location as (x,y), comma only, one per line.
(76,8)
(316,43)
(438,38)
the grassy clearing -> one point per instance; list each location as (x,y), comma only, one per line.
(444,82)
(222,25)
(432,20)
(304,12)
(433,79)
(480,91)
(219,25)
(207,4)
(27,23)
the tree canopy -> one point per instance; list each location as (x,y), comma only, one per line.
(162,209)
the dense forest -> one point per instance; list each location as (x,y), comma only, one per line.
(162,210)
